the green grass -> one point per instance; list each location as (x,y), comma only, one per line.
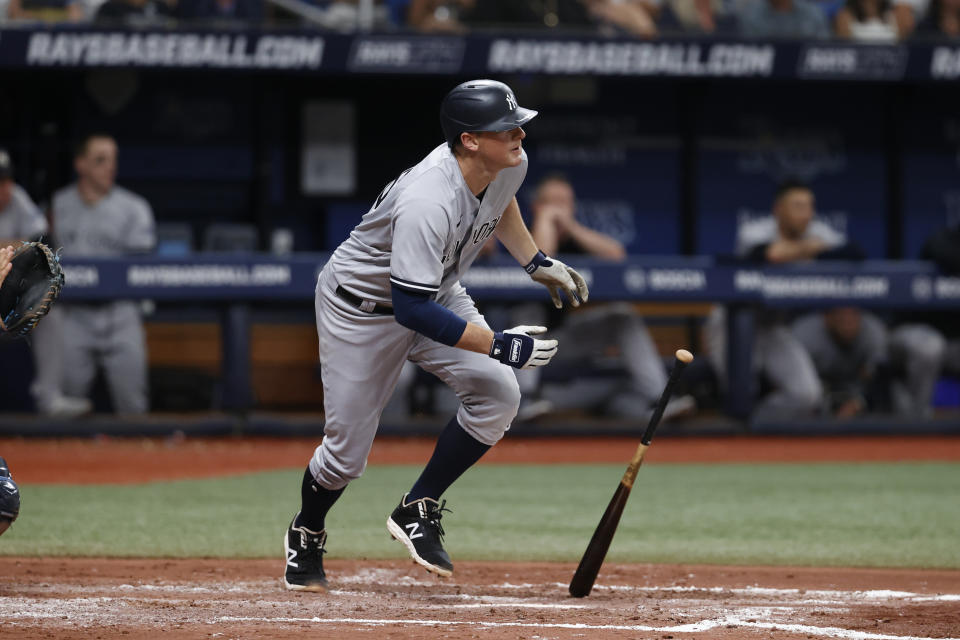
(886,515)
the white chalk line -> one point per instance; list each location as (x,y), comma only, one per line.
(796,595)
(805,594)
(703,625)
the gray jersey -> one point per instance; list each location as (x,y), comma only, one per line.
(765,231)
(117,224)
(424,230)
(107,336)
(21,219)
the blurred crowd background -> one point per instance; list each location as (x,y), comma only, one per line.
(762,171)
(862,20)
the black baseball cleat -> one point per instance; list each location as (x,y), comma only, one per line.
(417,526)
(304,550)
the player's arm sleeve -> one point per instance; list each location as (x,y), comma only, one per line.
(417,311)
(142,231)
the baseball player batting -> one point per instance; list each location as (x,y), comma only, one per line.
(391,293)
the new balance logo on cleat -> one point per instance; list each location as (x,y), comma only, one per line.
(304,550)
(417,526)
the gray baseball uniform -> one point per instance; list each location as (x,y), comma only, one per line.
(21,219)
(777,354)
(422,233)
(111,334)
(914,351)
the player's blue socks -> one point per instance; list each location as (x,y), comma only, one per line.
(456,451)
(315,501)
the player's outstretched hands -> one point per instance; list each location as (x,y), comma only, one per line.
(555,275)
(516,348)
(6,254)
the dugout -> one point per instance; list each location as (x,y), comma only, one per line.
(668,157)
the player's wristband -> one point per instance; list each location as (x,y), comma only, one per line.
(538,260)
(513,349)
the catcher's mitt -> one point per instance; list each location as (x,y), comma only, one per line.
(31,287)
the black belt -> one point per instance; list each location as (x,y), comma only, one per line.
(364,305)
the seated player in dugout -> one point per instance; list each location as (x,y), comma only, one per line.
(790,386)
(600,330)
(391,293)
(865,366)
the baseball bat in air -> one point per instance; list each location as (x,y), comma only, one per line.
(586,574)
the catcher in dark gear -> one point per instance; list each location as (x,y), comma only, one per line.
(9,498)
(32,282)
(9,493)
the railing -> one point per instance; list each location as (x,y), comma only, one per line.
(235,281)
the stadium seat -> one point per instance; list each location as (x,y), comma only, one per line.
(231,237)
(174,239)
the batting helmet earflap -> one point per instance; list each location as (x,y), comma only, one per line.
(481,105)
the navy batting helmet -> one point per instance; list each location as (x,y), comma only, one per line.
(481,105)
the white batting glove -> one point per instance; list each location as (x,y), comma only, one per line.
(516,348)
(555,275)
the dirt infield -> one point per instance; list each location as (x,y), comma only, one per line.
(134,599)
(204,598)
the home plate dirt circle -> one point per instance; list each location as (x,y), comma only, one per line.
(208,598)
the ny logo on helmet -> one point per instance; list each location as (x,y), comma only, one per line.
(511,102)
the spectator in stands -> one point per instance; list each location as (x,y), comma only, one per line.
(348,15)
(866,21)
(243,11)
(46,10)
(694,16)
(783,19)
(829,8)
(942,20)
(786,372)
(908,13)
(528,15)
(20,219)
(136,12)
(631,17)
(599,329)
(96,218)
(863,366)
(435,16)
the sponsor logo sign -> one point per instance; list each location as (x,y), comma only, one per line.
(397,54)
(945,63)
(631,58)
(187,50)
(853,62)
(209,275)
